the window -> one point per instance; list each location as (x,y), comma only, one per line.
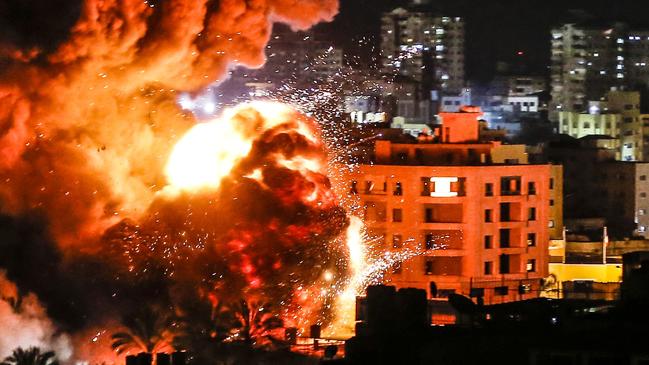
(551,183)
(396,268)
(505,238)
(488,242)
(510,185)
(551,202)
(398,189)
(489,189)
(643,195)
(488,268)
(354,188)
(488,215)
(586,125)
(531,188)
(396,241)
(429,241)
(531,239)
(503,264)
(425,186)
(531,215)
(428,267)
(642,229)
(643,177)
(501,290)
(551,223)
(531,265)
(642,212)
(368,187)
(397,215)
(505,212)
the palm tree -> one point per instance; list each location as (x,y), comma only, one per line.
(31,356)
(253,324)
(150,330)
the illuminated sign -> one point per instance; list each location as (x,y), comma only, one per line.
(442,187)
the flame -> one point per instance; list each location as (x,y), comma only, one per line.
(208,152)
(343,325)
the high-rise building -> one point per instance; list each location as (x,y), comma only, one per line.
(479,212)
(586,63)
(296,56)
(424,47)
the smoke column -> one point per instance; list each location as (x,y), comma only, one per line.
(89,190)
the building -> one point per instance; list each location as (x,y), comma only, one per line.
(526,85)
(294,57)
(478,212)
(596,185)
(617,115)
(589,60)
(579,125)
(586,62)
(424,47)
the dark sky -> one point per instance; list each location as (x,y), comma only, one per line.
(495,30)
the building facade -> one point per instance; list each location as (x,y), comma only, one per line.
(586,62)
(424,47)
(476,214)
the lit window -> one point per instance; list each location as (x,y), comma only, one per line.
(531,265)
(642,212)
(642,229)
(551,224)
(531,239)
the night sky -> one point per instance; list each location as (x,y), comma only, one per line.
(496,30)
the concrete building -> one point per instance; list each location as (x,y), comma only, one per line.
(526,85)
(596,185)
(579,125)
(296,56)
(586,62)
(589,60)
(478,212)
(424,47)
(616,115)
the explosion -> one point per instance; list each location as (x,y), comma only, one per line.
(122,200)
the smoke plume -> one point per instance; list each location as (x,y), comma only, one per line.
(88,123)
(25,323)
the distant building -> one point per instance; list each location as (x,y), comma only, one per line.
(479,212)
(424,47)
(586,62)
(617,115)
(595,185)
(526,85)
(296,56)
(589,60)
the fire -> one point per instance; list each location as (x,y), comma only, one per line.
(121,199)
(209,151)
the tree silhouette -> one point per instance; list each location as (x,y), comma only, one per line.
(253,324)
(31,356)
(150,329)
